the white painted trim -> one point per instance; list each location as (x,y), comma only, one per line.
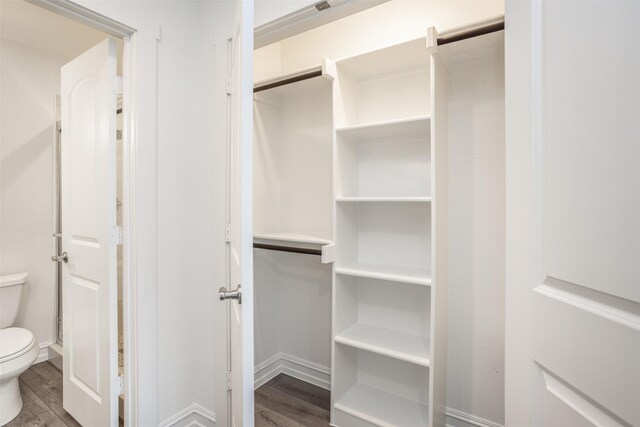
(78,13)
(191,416)
(293,366)
(468,420)
(267,370)
(462,419)
(43,356)
(306,371)
(55,348)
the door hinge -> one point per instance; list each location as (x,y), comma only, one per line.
(228,85)
(227,233)
(116,235)
(117,85)
(228,380)
(120,385)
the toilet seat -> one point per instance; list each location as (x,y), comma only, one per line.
(14,342)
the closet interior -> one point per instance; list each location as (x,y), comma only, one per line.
(351,227)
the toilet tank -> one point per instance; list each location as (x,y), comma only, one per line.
(10,295)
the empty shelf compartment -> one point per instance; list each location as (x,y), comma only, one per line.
(382,408)
(380,390)
(384,317)
(395,344)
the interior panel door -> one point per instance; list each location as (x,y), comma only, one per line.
(240,236)
(88,169)
(573,204)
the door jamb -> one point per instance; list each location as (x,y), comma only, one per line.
(130,141)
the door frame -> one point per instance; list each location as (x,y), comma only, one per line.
(131,327)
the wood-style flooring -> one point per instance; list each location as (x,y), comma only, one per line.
(41,389)
(288,402)
(282,402)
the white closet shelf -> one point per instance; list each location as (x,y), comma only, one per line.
(418,126)
(383,199)
(300,243)
(379,62)
(417,276)
(381,408)
(291,238)
(387,342)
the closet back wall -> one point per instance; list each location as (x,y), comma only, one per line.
(476,291)
(293,196)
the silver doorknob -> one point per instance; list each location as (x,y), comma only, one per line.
(225,294)
(60,258)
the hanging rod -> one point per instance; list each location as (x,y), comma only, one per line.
(291,249)
(288,80)
(474,32)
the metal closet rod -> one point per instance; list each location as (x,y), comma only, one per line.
(291,249)
(463,35)
(288,81)
(474,32)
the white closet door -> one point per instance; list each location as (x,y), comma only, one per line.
(573,210)
(89,282)
(240,239)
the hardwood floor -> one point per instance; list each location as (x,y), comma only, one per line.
(41,389)
(288,402)
(282,402)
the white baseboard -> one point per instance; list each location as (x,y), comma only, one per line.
(321,376)
(266,371)
(293,366)
(456,418)
(191,416)
(43,356)
(55,355)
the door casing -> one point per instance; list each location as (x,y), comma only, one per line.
(130,164)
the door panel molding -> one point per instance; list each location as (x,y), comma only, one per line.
(582,405)
(615,309)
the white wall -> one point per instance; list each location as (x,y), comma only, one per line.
(476,239)
(292,152)
(30,79)
(292,317)
(386,24)
(476,291)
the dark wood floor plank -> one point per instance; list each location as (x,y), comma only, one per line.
(265,417)
(303,390)
(31,400)
(49,391)
(26,418)
(48,372)
(46,382)
(291,407)
(41,390)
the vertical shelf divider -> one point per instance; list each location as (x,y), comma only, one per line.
(440,227)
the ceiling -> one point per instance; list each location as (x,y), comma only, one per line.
(38,28)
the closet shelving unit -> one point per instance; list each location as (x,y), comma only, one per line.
(388,216)
(384,186)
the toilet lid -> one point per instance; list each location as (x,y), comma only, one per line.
(14,342)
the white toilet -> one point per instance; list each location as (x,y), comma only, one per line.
(18,346)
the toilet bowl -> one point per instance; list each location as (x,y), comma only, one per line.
(18,351)
(18,347)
